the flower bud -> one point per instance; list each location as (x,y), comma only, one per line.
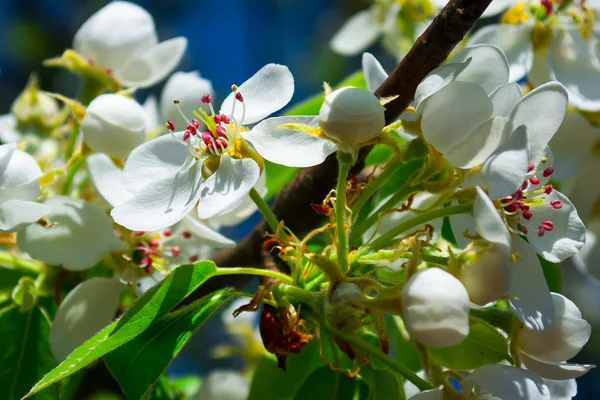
(36,112)
(485,274)
(114,125)
(344,310)
(435,308)
(563,340)
(352,116)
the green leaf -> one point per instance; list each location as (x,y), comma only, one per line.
(139,363)
(153,305)
(25,355)
(553,275)
(380,154)
(382,384)
(186,386)
(325,384)
(484,345)
(404,351)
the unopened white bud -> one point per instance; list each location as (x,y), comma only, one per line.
(114,125)
(435,308)
(352,116)
(486,274)
(563,340)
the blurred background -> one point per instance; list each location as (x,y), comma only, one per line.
(228,41)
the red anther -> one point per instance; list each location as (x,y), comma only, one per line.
(175,250)
(168,232)
(187,134)
(527,214)
(239,97)
(541,231)
(186,234)
(194,258)
(511,208)
(525,208)
(219,143)
(523,229)
(207,137)
(192,129)
(507,199)
(196,123)
(534,180)
(556,204)
(548,189)
(154,243)
(217,118)
(547,4)
(518,204)
(221,131)
(170,125)
(530,167)
(146,262)
(138,233)
(206,98)
(225,119)
(547,172)
(548,225)
(524,185)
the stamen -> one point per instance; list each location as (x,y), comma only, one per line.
(225,119)
(186,234)
(221,131)
(548,225)
(206,99)
(541,231)
(175,250)
(547,172)
(192,129)
(154,243)
(217,118)
(176,102)
(531,167)
(139,233)
(523,229)
(168,232)
(548,189)
(527,215)
(534,180)
(195,123)
(186,135)
(146,262)
(170,125)
(239,97)
(556,204)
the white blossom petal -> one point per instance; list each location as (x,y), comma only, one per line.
(532,302)
(107,179)
(81,235)
(508,383)
(540,70)
(88,308)
(433,394)
(228,186)
(445,125)
(515,42)
(266,92)
(588,258)
(290,147)
(436,80)
(489,224)
(568,235)
(17,168)
(161,203)
(584,188)
(496,7)
(373,71)
(505,98)
(206,234)
(150,107)
(17,214)
(152,65)
(188,88)
(245,208)
(357,34)
(557,371)
(488,67)
(542,111)
(562,390)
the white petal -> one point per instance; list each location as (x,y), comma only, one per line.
(81,236)
(435,80)
(108,37)
(557,371)
(571,145)
(373,71)
(532,303)
(150,107)
(153,160)
(563,340)
(444,125)
(266,92)
(88,308)
(161,203)
(114,125)
(229,185)
(540,70)
(488,67)
(496,7)
(508,383)
(357,34)
(542,111)
(224,385)
(477,148)
(514,40)
(568,235)
(8,131)
(107,179)
(17,214)
(290,147)
(585,188)
(461,224)
(433,394)
(206,234)
(17,168)
(487,277)
(505,98)
(153,64)
(245,209)
(489,224)
(562,390)
(588,258)
(505,170)
(188,88)
(574,63)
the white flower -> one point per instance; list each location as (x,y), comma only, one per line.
(486,274)
(187,87)
(171,174)
(19,189)
(121,38)
(81,234)
(88,308)
(506,383)
(224,385)
(114,124)
(561,390)
(435,308)
(588,259)
(433,394)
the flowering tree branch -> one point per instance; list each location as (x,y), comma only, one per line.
(311,185)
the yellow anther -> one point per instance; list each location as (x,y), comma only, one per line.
(234,88)
(514,257)
(541,36)
(544,160)
(516,14)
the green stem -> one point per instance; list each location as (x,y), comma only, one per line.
(388,237)
(303,295)
(375,184)
(9,260)
(255,271)
(71,172)
(376,353)
(70,149)
(265,210)
(390,254)
(340,212)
